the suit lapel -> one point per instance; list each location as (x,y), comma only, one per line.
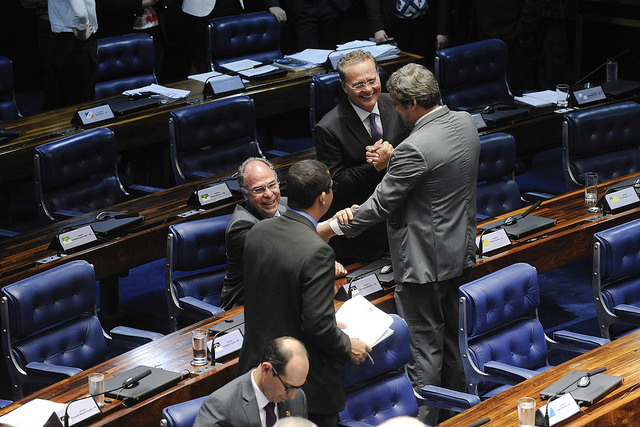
(249,402)
(354,124)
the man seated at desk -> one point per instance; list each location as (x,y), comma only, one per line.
(261,190)
(265,394)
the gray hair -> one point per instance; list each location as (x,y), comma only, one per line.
(415,81)
(241,173)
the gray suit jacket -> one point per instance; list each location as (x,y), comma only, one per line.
(428,198)
(241,221)
(235,405)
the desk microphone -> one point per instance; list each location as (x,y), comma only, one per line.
(479,422)
(513,219)
(66,409)
(216,335)
(613,58)
(132,382)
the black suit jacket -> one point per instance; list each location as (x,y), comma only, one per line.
(289,274)
(340,139)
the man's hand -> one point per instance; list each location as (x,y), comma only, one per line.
(442,41)
(83,34)
(359,351)
(279,13)
(380,36)
(345,215)
(378,154)
(340,270)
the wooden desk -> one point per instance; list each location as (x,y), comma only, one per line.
(616,409)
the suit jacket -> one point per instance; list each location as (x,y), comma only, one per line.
(289,274)
(428,198)
(340,139)
(235,405)
(242,220)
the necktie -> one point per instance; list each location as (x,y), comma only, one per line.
(376,132)
(271,415)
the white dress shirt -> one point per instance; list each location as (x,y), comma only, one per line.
(65,15)
(262,401)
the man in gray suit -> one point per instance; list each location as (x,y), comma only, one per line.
(261,191)
(428,198)
(341,137)
(255,398)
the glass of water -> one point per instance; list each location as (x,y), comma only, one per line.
(591,191)
(526,412)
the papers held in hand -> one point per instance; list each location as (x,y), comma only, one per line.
(364,321)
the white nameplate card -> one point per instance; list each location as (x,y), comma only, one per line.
(95,114)
(213,194)
(621,198)
(560,409)
(78,237)
(364,286)
(227,344)
(586,96)
(493,240)
(78,412)
(480,123)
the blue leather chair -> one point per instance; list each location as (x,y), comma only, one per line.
(616,278)
(8,106)
(605,140)
(380,391)
(50,330)
(196,266)
(500,337)
(78,174)
(4,403)
(124,62)
(253,36)
(182,414)
(497,191)
(473,75)
(212,137)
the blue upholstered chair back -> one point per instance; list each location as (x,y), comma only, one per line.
(182,414)
(212,138)
(49,318)
(245,36)
(497,190)
(616,278)
(78,173)
(196,265)
(473,75)
(605,140)
(124,62)
(8,107)
(377,392)
(498,322)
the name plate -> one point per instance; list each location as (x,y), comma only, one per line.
(586,96)
(621,199)
(75,238)
(559,410)
(227,344)
(364,286)
(494,240)
(92,115)
(213,194)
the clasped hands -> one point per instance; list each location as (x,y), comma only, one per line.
(378,154)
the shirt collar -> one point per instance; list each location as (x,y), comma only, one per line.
(306,215)
(364,114)
(424,118)
(261,399)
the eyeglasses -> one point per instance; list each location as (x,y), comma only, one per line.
(359,87)
(258,191)
(287,388)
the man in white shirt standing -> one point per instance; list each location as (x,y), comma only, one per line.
(75,51)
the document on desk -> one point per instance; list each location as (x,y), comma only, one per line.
(313,56)
(203,77)
(164,92)
(33,413)
(243,64)
(538,99)
(364,321)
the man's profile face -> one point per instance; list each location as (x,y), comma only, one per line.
(402,110)
(284,385)
(264,191)
(365,74)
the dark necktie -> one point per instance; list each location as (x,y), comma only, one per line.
(376,132)
(271,415)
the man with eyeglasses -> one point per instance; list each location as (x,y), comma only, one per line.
(263,395)
(341,138)
(289,290)
(261,191)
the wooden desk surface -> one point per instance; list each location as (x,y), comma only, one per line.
(621,407)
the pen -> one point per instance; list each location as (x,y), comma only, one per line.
(370,358)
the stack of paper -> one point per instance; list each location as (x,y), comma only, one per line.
(538,99)
(164,92)
(364,321)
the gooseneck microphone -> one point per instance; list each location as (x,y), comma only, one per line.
(613,58)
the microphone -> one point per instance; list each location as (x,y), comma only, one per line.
(216,335)
(615,57)
(66,409)
(479,422)
(133,381)
(513,219)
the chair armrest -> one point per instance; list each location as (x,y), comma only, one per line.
(353,423)
(508,372)
(126,337)
(201,307)
(142,190)
(445,398)
(534,196)
(198,174)
(64,214)
(50,373)
(480,216)
(627,311)
(577,342)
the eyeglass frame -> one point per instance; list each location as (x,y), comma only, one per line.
(287,388)
(358,88)
(259,191)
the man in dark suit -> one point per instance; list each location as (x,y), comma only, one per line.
(255,398)
(289,289)
(428,199)
(261,191)
(341,137)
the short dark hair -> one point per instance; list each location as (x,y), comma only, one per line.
(306,180)
(278,353)
(415,81)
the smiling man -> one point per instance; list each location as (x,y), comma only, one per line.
(265,394)
(341,138)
